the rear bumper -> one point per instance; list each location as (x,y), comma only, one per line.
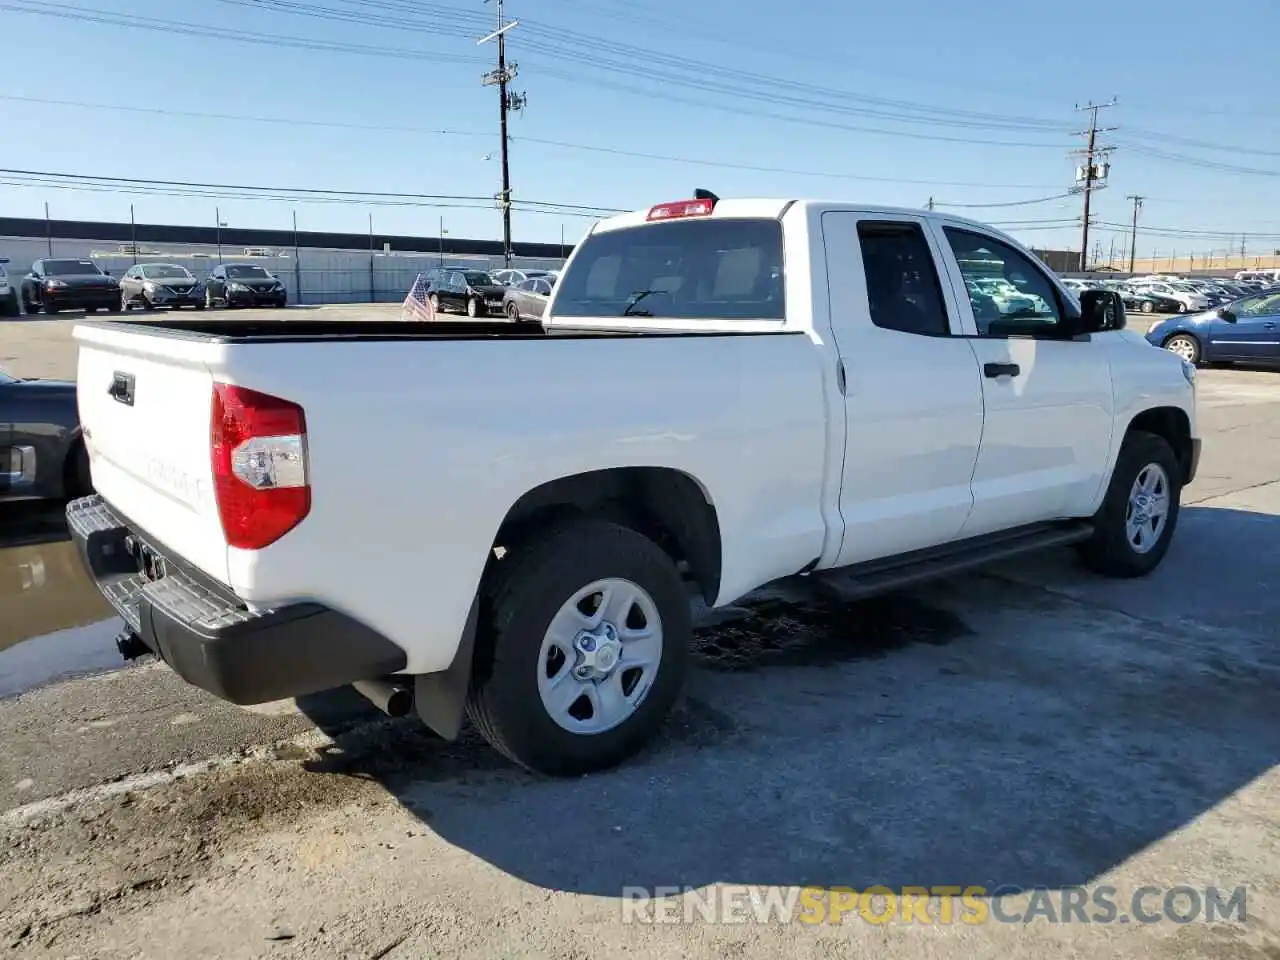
(207,635)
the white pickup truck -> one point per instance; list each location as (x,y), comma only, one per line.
(510,521)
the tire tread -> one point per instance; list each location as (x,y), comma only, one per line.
(570,551)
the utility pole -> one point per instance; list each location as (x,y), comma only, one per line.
(507,102)
(1111,254)
(931,203)
(1133,232)
(1090,172)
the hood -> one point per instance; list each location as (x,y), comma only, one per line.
(494,290)
(254,283)
(85,280)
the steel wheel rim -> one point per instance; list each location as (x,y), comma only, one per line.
(1147,513)
(600,656)
(1183,348)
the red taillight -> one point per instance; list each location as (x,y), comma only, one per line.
(681,208)
(259,446)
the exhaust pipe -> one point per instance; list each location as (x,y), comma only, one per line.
(393,699)
(131,646)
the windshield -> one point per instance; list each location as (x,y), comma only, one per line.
(166,271)
(477,279)
(681,270)
(247,272)
(69,268)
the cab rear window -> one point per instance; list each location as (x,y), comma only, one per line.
(683,270)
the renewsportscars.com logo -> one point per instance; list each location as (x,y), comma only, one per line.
(935,905)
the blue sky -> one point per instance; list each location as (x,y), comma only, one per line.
(881,102)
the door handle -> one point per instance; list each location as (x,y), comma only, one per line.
(1270,325)
(994,370)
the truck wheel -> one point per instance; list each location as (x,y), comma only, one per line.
(586,652)
(1139,512)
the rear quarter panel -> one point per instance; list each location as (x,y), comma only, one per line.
(417,450)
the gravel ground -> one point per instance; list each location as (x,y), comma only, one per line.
(1028,726)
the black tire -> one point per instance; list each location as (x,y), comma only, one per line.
(513,313)
(51,310)
(147,305)
(114,308)
(435,303)
(530,586)
(1194,354)
(1147,306)
(1109,552)
(1182,307)
(473,308)
(9,307)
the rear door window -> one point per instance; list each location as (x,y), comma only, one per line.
(728,269)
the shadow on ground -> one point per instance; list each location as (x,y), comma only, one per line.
(982,731)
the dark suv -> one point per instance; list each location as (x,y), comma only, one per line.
(472,291)
(55,284)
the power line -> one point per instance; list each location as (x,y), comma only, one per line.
(636,62)
(250,191)
(111,18)
(564,144)
(1008,203)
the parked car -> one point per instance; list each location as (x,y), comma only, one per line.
(61,284)
(1187,298)
(509,278)
(244,285)
(1243,330)
(547,508)
(8,295)
(527,299)
(473,292)
(42,455)
(151,285)
(1147,301)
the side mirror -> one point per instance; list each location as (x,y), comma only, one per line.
(1100,311)
(1227,315)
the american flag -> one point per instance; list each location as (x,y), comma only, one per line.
(416,305)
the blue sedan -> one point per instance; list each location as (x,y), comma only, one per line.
(1247,329)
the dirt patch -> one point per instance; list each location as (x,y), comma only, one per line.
(123,853)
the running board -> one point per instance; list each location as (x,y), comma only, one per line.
(893,573)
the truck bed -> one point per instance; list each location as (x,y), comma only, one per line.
(280,331)
(373,331)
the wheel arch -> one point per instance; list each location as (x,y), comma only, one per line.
(1174,426)
(667,505)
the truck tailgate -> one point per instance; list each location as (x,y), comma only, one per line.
(145,402)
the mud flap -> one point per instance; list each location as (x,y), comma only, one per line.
(441,698)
